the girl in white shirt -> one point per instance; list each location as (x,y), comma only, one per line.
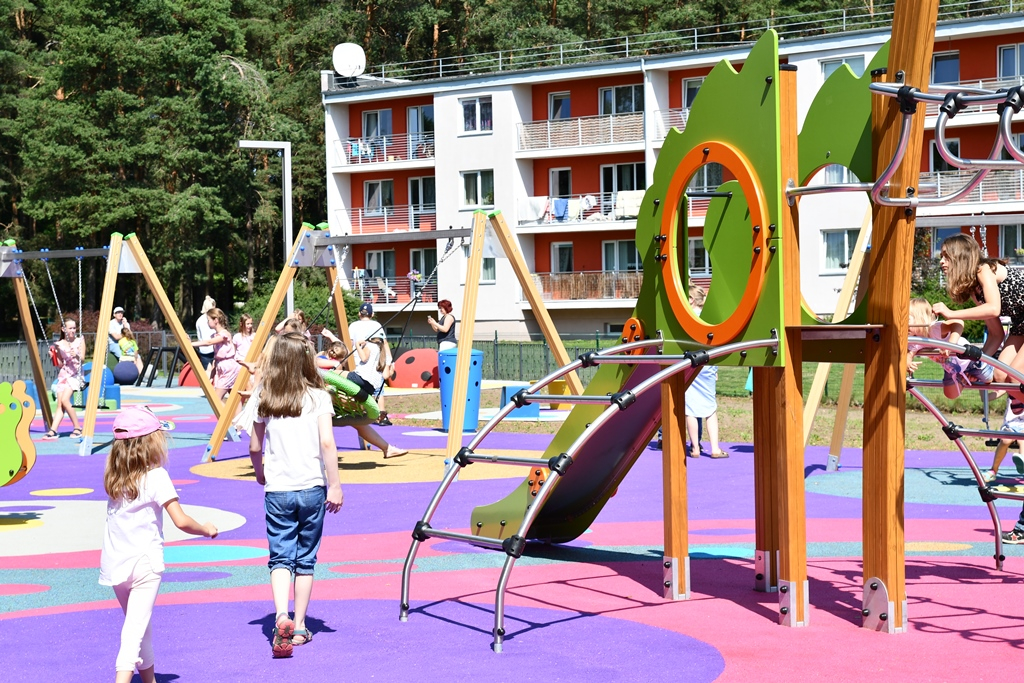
(296,460)
(132,559)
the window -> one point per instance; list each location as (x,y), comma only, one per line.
(946,67)
(622,177)
(937,162)
(856,64)
(476,115)
(839,245)
(707,178)
(488,268)
(1011,62)
(561,257)
(376,123)
(421,131)
(423,260)
(1018,140)
(938,235)
(380,263)
(559,106)
(478,188)
(1009,241)
(613,328)
(621,100)
(836,174)
(691,87)
(621,255)
(379,196)
(561,182)
(697,255)
(421,194)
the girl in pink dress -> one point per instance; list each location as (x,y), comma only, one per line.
(243,338)
(225,366)
(69,352)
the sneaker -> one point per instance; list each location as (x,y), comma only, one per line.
(1014,536)
(980,373)
(1018,462)
(989,476)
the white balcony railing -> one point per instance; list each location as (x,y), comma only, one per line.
(382,148)
(371,221)
(600,284)
(666,119)
(932,108)
(592,208)
(582,131)
(998,186)
(393,290)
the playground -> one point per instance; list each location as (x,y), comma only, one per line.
(589,553)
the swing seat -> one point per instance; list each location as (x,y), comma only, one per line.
(110,391)
(349,411)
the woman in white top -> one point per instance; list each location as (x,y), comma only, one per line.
(132,559)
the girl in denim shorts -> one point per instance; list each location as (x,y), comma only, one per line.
(294,456)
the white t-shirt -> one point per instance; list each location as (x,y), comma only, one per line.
(291,452)
(135,529)
(204,331)
(368,370)
(117,328)
(364,328)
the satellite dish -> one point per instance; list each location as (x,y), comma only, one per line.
(349,60)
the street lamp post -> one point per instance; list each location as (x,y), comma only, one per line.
(286,199)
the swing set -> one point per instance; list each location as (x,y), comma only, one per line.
(119,259)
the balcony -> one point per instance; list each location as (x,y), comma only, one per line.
(379,149)
(932,108)
(393,290)
(600,284)
(594,210)
(385,219)
(666,119)
(582,131)
(998,186)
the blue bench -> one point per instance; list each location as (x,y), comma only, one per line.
(530,410)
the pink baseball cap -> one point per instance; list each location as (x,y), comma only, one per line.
(138,421)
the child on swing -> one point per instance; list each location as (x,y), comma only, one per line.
(68,354)
(296,460)
(132,560)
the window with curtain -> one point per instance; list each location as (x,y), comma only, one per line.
(488,267)
(621,255)
(560,106)
(856,64)
(623,99)
(379,196)
(476,115)
(1009,240)
(839,245)
(478,188)
(561,257)
(700,264)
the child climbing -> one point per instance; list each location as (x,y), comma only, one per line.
(295,459)
(132,559)
(956,373)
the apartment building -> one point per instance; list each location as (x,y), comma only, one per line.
(566,151)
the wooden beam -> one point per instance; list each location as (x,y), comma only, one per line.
(457,413)
(43,391)
(842,308)
(177,329)
(676,561)
(766,518)
(540,311)
(892,242)
(340,315)
(99,351)
(263,331)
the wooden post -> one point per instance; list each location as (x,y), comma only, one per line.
(460,390)
(766,519)
(177,329)
(42,391)
(842,307)
(892,240)
(99,352)
(263,332)
(540,311)
(788,404)
(676,561)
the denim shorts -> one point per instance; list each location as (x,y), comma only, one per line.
(295,524)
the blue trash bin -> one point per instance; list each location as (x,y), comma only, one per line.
(446,373)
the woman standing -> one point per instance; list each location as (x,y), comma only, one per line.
(444,325)
(68,353)
(243,338)
(225,366)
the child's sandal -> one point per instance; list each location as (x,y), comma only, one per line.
(50,435)
(304,633)
(283,631)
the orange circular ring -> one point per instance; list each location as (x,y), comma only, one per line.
(728,156)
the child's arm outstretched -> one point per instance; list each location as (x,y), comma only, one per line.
(990,309)
(329,453)
(186,523)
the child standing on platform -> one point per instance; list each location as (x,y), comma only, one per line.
(132,560)
(295,459)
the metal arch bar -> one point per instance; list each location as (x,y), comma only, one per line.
(15,255)
(984,96)
(992,511)
(1006,135)
(993,162)
(901,150)
(1016,374)
(825,189)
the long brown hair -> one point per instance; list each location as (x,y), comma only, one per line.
(289,373)
(128,463)
(242,321)
(382,361)
(965,260)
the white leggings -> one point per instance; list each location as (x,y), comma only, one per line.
(137,596)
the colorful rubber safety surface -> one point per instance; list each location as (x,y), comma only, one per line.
(589,610)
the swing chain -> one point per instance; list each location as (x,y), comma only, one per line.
(79,259)
(60,314)
(32,300)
